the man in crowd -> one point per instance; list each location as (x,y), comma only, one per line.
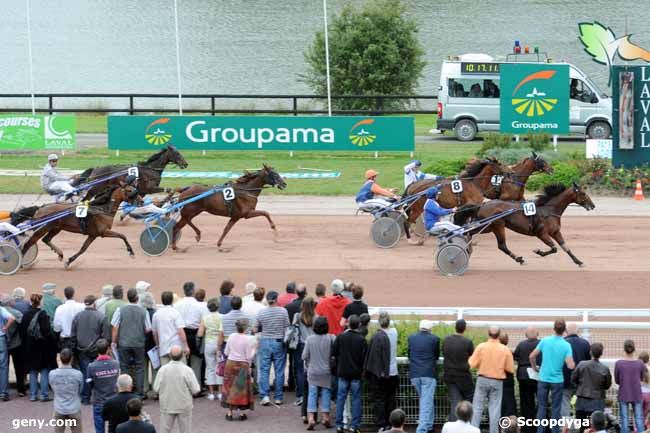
(556,352)
(19,302)
(591,380)
(107,295)
(14,345)
(349,351)
(423,354)
(456,350)
(252,309)
(168,328)
(64,316)
(357,306)
(492,360)
(296,365)
(192,312)
(319,291)
(67,383)
(293,307)
(580,350)
(289,295)
(397,420)
(176,385)
(229,321)
(271,323)
(87,328)
(135,424)
(225,290)
(331,307)
(463,424)
(527,386)
(50,302)
(6,320)
(102,375)
(114,304)
(130,324)
(598,422)
(114,411)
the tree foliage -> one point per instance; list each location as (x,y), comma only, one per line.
(373,50)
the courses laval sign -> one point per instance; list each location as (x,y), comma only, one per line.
(339,133)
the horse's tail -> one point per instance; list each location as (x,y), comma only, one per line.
(82,178)
(23,214)
(465,213)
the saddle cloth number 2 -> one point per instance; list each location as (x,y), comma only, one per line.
(81,211)
(228,194)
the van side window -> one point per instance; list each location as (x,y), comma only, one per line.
(578,90)
(473,88)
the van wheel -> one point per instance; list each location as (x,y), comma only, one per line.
(465,130)
(599,130)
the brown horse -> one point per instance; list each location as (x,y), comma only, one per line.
(246,191)
(477,184)
(514,180)
(545,224)
(99,221)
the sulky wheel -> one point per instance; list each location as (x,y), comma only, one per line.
(385,232)
(452,259)
(154,241)
(10,259)
(399,218)
(32,253)
(169,225)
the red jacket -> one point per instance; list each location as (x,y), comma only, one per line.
(286,298)
(331,307)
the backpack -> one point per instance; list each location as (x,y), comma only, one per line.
(34,328)
(292,334)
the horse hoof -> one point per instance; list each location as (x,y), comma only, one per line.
(66,266)
(225,250)
(581,265)
(198,239)
(60,258)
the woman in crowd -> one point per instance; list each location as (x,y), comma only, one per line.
(40,348)
(226,296)
(317,361)
(305,321)
(237,383)
(209,331)
(508,402)
(148,303)
(628,373)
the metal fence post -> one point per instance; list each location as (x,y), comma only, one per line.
(50,104)
(295,106)
(131,105)
(585,329)
(212,105)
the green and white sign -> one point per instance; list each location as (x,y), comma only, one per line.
(37,132)
(339,133)
(534,98)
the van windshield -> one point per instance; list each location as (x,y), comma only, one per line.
(595,87)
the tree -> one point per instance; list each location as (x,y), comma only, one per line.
(374,50)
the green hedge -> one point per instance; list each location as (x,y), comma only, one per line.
(563,172)
(446,167)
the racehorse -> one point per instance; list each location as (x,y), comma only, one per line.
(514,180)
(149,173)
(247,189)
(545,224)
(99,220)
(477,184)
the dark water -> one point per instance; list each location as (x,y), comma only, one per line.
(256,46)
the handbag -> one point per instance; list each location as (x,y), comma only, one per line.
(292,334)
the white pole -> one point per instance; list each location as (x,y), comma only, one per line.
(327,61)
(29,53)
(178,59)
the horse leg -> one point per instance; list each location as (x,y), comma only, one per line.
(196,230)
(47,240)
(89,240)
(226,229)
(112,234)
(546,238)
(499,231)
(560,240)
(255,213)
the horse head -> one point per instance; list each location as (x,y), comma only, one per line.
(582,198)
(272,177)
(495,166)
(172,155)
(541,164)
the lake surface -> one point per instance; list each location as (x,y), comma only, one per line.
(256,46)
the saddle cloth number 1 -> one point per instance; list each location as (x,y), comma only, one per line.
(529,208)
(81,211)
(228,194)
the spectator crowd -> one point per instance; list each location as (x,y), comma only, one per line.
(113,354)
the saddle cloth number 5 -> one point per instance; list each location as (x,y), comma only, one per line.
(81,211)
(133,171)
(529,208)
(228,194)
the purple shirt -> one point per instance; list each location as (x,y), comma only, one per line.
(628,374)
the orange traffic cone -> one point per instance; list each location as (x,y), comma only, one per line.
(638,192)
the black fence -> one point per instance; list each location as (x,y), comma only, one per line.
(133,103)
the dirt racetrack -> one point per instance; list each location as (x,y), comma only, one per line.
(316,249)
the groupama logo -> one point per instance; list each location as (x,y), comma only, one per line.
(158,136)
(534,103)
(602,45)
(359,136)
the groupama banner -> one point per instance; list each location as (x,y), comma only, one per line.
(338,133)
(37,132)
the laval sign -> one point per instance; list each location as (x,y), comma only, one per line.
(340,133)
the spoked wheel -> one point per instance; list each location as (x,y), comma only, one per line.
(385,232)
(452,259)
(10,259)
(30,256)
(399,219)
(154,241)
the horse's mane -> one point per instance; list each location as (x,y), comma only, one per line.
(247,176)
(104,197)
(474,167)
(550,191)
(23,214)
(154,157)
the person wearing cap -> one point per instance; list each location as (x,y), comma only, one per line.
(333,307)
(87,328)
(271,324)
(413,174)
(456,350)
(433,212)
(50,302)
(423,354)
(52,181)
(107,295)
(366,196)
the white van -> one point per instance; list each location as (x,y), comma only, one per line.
(468,98)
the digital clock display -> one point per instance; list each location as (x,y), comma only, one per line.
(479,68)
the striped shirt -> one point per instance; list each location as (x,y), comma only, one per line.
(272,322)
(229,322)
